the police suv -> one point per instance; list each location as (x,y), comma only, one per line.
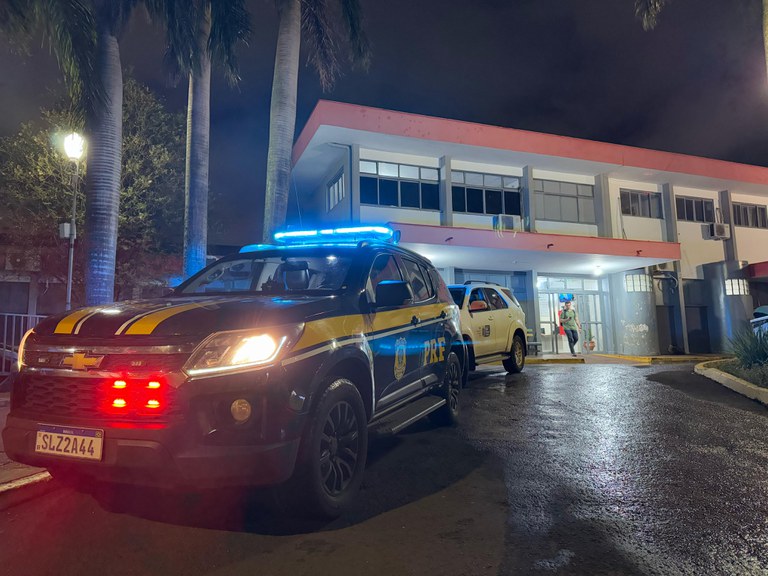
(268,367)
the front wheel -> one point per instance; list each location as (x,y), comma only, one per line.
(516,361)
(448,414)
(334,451)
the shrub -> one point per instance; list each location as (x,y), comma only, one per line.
(751,348)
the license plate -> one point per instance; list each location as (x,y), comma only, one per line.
(83,443)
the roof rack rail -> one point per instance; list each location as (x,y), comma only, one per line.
(468,282)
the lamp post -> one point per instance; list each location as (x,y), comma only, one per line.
(73,147)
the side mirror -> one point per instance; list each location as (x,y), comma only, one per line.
(478,306)
(391,293)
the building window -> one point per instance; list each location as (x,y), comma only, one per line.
(695,209)
(564,201)
(638,283)
(399,185)
(736,287)
(475,193)
(336,191)
(750,215)
(641,203)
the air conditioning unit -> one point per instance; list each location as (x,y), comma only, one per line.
(719,231)
(507,222)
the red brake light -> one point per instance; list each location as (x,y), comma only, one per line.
(119,403)
(129,396)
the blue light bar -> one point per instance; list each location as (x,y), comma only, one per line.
(331,235)
(255,247)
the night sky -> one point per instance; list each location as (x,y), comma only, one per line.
(695,85)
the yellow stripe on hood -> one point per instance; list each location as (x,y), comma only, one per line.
(147,324)
(67,324)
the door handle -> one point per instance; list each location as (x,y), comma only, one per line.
(415,320)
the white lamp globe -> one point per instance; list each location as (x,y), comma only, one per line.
(74,145)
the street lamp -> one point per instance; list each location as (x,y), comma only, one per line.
(73,147)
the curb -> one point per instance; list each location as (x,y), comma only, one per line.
(733,382)
(26,488)
(681,359)
(534,360)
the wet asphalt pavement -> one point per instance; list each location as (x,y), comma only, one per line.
(626,470)
(576,469)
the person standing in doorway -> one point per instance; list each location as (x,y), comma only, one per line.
(569,320)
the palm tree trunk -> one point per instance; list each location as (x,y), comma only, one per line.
(105,132)
(198,134)
(282,115)
(765,32)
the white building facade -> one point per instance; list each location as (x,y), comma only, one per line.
(659,252)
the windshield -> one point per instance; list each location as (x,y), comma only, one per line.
(458,295)
(271,273)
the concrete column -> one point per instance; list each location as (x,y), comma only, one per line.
(726,314)
(528,200)
(32,294)
(603,216)
(354,183)
(635,329)
(532,316)
(726,210)
(446,196)
(670,235)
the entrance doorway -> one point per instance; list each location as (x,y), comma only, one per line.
(590,313)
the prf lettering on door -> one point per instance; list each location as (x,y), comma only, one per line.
(434,351)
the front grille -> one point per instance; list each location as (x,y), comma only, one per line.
(74,397)
(110,362)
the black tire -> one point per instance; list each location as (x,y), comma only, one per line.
(333,452)
(516,361)
(448,415)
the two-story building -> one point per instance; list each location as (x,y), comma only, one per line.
(659,252)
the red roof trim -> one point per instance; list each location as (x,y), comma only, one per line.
(455,131)
(758,270)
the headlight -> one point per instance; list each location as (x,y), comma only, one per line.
(241,350)
(20,354)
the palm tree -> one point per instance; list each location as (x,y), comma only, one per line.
(198,33)
(648,12)
(68,27)
(313,18)
(104,131)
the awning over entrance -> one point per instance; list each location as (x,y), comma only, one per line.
(758,271)
(545,253)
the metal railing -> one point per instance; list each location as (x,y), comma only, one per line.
(12,329)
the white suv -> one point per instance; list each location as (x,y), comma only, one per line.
(492,324)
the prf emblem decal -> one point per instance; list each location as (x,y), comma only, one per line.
(400,356)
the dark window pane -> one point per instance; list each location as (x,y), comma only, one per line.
(680,204)
(512,203)
(762,217)
(409,194)
(493,201)
(645,204)
(626,203)
(569,209)
(387,192)
(421,290)
(690,211)
(459,199)
(430,196)
(736,215)
(709,211)
(699,206)
(656,209)
(634,204)
(587,210)
(474,200)
(368,187)
(753,216)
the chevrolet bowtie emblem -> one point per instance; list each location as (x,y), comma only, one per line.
(81,361)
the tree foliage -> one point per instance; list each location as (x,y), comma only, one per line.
(36,190)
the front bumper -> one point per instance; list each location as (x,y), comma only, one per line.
(152,458)
(197,445)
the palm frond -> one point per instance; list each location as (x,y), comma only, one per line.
(648,12)
(322,43)
(230,26)
(181,20)
(358,40)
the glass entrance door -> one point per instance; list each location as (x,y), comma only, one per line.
(590,314)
